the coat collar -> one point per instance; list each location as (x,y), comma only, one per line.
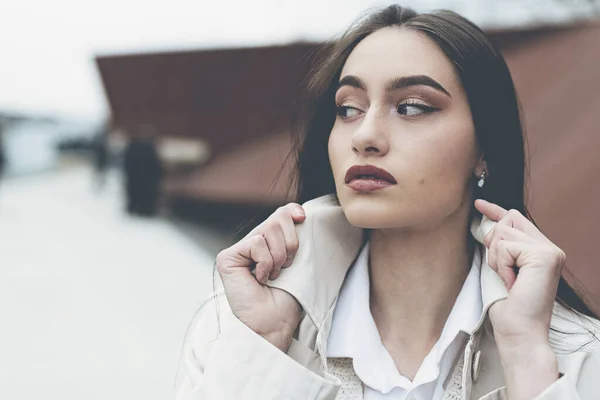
(328,247)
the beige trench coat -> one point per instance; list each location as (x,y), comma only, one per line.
(223,359)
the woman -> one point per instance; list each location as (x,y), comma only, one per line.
(405,277)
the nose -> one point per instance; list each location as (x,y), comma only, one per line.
(370,138)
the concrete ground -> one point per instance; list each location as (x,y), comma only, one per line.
(94,304)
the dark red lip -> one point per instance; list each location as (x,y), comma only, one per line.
(368,172)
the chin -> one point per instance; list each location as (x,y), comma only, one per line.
(368,223)
(372,213)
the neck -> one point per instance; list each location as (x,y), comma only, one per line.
(416,276)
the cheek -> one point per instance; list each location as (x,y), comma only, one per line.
(448,163)
(336,149)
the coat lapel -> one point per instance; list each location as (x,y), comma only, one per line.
(328,247)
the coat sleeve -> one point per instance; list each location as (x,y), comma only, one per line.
(223,359)
(580,378)
(578,358)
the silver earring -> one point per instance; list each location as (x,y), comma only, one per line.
(481,181)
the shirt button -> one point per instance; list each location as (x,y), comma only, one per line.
(476,366)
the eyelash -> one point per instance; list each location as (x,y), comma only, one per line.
(426,109)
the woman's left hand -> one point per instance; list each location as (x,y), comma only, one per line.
(522,321)
(516,242)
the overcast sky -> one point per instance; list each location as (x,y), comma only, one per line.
(47,47)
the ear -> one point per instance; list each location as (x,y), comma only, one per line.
(480,167)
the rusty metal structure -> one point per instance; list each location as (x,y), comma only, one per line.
(241,102)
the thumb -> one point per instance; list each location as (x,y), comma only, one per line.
(298,214)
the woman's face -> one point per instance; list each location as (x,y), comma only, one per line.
(401,108)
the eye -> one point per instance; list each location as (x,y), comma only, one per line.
(347,112)
(413,108)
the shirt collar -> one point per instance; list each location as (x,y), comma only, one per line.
(352,312)
(467,309)
(354,334)
(327,238)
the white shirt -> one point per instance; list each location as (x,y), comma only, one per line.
(354,335)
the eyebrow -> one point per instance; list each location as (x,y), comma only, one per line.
(397,83)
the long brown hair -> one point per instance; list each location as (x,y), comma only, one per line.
(490,91)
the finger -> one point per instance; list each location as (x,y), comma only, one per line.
(518,221)
(291,240)
(490,210)
(259,252)
(491,256)
(276,244)
(515,219)
(237,259)
(504,230)
(287,217)
(490,241)
(293,210)
(506,260)
(296,211)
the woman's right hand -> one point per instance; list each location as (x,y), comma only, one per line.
(272,313)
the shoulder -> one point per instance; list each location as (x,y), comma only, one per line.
(575,339)
(213,319)
(574,328)
(205,326)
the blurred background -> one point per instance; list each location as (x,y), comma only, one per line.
(135,136)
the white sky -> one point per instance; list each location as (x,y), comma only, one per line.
(47,47)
